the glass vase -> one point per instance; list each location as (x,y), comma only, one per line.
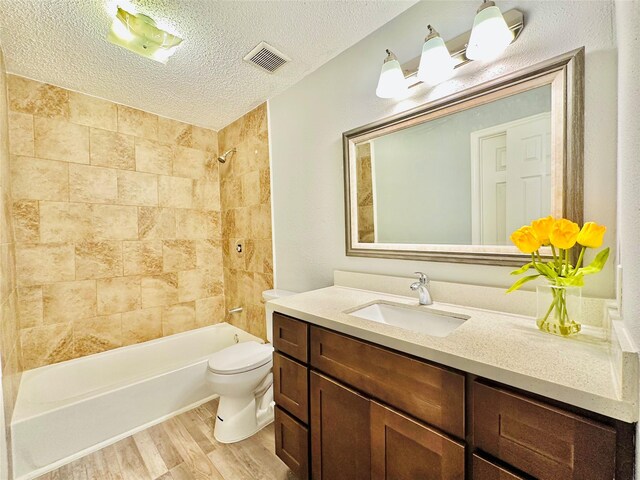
(559,309)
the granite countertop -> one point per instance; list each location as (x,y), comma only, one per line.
(503,347)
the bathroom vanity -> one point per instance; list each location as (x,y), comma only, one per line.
(354,403)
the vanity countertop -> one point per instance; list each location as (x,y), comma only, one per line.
(503,347)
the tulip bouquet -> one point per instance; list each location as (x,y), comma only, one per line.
(560,271)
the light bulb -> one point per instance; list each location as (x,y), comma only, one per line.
(392,83)
(490,35)
(436,64)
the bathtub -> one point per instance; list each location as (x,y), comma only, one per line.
(69,409)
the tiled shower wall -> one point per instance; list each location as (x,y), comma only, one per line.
(9,335)
(117,224)
(246,211)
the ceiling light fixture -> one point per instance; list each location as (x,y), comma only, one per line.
(391,83)
(436,64)
(492,32)
(490,35)
(139,34)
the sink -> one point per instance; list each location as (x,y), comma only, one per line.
(422,320)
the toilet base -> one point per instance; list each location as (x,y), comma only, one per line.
(240,418)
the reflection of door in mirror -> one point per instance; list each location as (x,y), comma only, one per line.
(511,177)
(365,195)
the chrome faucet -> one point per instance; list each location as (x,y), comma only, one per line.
(422,286)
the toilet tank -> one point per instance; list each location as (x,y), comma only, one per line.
(272,295)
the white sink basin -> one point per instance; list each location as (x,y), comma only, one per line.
(422,320)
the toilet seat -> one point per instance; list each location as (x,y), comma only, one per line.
(241,357)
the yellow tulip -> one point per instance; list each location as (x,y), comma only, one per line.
(591,235)
(525,239)
(542,228)
(564,233)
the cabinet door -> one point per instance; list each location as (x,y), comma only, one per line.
(539,439)
(340,436)
(403,449)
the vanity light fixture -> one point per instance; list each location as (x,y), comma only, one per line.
(392,83)
(490,35)
(436,64)
(139,34)
(492,32)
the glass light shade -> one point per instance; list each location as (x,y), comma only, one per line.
(392,83)
(139,34)
(490,35)
(436,64)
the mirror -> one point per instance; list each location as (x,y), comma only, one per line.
(451,180)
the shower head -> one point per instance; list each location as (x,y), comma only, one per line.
(229,153)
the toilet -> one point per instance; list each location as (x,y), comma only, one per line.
(241,375)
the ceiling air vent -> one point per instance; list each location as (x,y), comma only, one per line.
(266,57)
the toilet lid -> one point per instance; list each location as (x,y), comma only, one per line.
(240,357)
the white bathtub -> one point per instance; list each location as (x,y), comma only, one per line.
(69,409)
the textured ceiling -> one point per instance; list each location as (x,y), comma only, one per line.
(206,82)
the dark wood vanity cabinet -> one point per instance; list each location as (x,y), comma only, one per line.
(348,409)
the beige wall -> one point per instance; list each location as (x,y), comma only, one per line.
(246,208)
(117,224)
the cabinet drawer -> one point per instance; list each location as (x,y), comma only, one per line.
(486,470)
(429,393)
(403,449)
(292,444)
(543,441)
(290,386)
(290,336)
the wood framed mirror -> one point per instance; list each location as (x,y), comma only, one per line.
(450,180)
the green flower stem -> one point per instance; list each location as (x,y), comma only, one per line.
(553,252)
(579,262)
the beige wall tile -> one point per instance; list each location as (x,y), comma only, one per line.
(65,222)
(29,96)
(30,309)
(251,188)
(175,192)
(44,263)
(206,194)
(97,334)
(153,157)
(112,149)
(136,188)
(65,302)
(61,140)
(120,294)
(210,311)
(205,139)
(265,186)
(21,138)
(36,179)
(143,257)
(26,221)
(209,255)
(92,111)
(261,221)
(158,290)
(114,222)
(141,325)
(98,260)
(93,184)
(196,224)
(178,318)
(46,345)
(189,162)
(196,284)
(175,132)
(178,255)
(136,122)
(156,223)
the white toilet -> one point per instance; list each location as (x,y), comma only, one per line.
(241,375)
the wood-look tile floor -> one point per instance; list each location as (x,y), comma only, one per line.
(181,448)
